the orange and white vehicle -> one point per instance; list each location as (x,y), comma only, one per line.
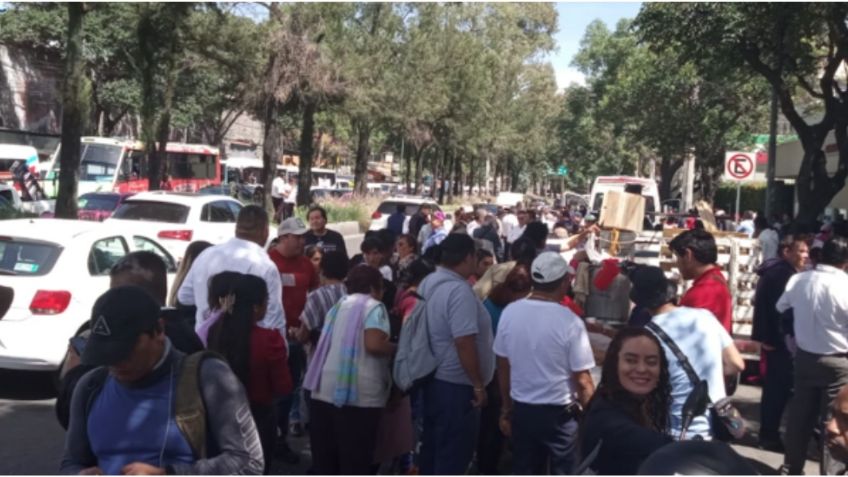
(120,165)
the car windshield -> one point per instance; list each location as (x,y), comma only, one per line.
(99,201)
(152,211)
(22,257)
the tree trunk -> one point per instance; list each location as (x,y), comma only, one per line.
(363,151)
(270,151)
(446,166)
(408,175)
(418,170)
(435,170)
(164,126)
(668,167)
(74,115)
(304,177)
(146,41)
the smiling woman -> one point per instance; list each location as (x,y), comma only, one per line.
(627,418)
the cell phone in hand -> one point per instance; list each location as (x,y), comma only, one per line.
(78,344)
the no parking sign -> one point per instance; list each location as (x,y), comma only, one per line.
(739,166)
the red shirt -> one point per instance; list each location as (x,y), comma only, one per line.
(298,276)
(710,292)
(269,369)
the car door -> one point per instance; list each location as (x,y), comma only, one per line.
(103,254)
(218,222)
(142,243)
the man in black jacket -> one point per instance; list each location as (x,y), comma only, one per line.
(777,388)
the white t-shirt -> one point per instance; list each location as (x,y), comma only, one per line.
(545,343)
(292,197)
(277,187)
(702,339)
(515,233)
(509,221)
(820,305)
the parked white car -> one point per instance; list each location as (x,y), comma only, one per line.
(177,219)
(380,217)
(56,269)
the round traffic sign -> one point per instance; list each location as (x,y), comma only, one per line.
(740,166)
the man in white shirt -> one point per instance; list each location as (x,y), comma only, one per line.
(509,222)
(245,253)
(277,192)
(289,198)
(544,361)
(819,303)
(516,231)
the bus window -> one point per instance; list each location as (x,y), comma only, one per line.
(99,162)
(191,166)
(134,166)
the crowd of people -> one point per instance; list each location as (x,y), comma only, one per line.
(262,340)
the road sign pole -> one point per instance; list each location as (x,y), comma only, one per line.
(738,191)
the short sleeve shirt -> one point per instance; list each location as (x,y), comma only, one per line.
(545,343)
(702,339)
(454,311)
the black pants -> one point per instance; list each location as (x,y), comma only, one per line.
(266,424)
(818,380)
(777,390)
(490,439)
(343,439)
(543,436)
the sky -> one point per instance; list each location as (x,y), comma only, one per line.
(573,20)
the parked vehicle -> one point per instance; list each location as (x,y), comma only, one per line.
(509,199)
(380,217)
(99,206)
(645,187)
(117,165)
(177,219)
(56,270)
(243,192)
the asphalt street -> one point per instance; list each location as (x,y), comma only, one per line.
(31,439)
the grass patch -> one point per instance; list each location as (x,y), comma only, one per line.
(338,210)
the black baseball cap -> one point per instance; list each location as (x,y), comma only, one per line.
(118,318)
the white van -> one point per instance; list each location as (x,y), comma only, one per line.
(649,190)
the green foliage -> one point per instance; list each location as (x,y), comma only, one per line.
(342,211)
(751,197)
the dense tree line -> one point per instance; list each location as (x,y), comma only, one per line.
(465,91)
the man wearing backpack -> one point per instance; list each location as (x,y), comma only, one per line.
(148,409)
(460,335)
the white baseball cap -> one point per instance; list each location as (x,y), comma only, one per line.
(549,267)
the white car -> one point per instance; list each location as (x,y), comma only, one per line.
(56,269)
(380,217)
(177,219)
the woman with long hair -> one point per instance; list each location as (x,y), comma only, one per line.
(256,355)
(220,291)
(628,417)
(193,250)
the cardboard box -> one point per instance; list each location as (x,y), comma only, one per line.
(622,211)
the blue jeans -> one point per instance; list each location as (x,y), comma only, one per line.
(450,428)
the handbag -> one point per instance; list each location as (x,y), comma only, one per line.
(725,420)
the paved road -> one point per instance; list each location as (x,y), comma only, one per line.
(31,440)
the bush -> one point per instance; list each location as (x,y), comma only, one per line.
(751,197)
(353,210)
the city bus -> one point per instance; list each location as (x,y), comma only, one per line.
(119,165)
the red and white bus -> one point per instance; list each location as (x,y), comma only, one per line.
(119,165)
